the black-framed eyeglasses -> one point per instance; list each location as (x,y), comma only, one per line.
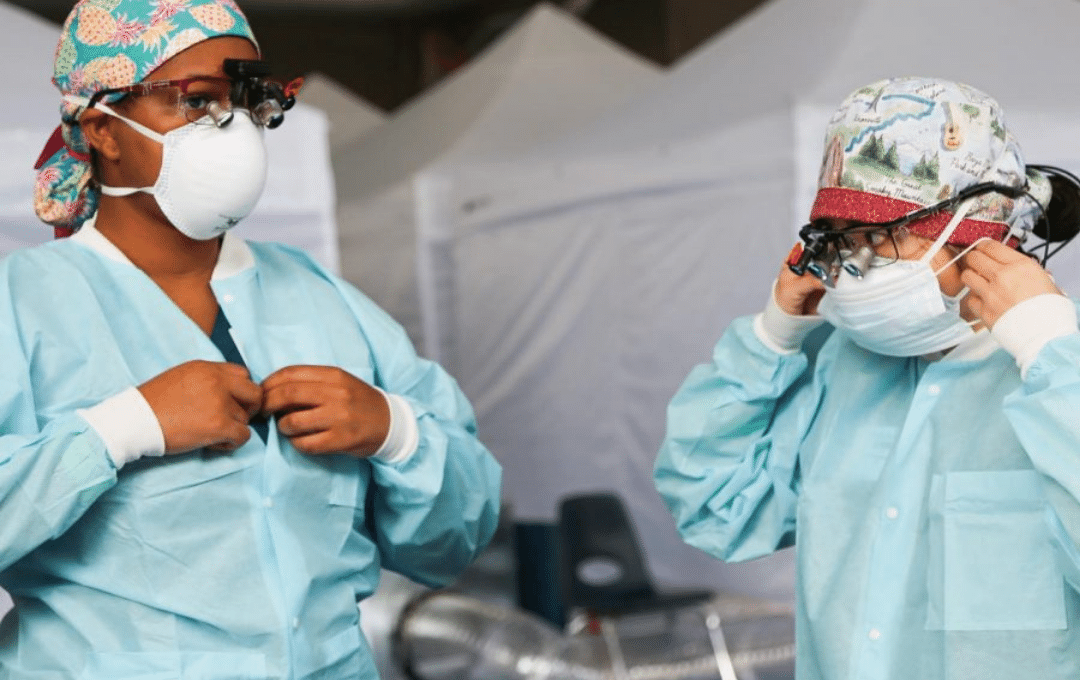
(856,248)
(210,100)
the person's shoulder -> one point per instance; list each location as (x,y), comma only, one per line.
(285,257)
(287,263)
(39,278)
(48,260)
(295,264)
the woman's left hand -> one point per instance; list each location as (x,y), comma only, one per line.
(323,409)
(1001,278)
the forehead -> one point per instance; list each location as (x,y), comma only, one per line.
(205,58)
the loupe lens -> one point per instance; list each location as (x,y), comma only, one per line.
(819,270)
(219,114)
(269,113)
(858,263)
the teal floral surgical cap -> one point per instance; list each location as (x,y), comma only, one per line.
(106,44)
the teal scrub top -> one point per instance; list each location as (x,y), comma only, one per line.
(240,566)
(933,504)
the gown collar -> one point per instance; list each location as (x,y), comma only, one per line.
(978,346)
(234,257)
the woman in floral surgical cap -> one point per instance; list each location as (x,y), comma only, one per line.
(923,452)
(208,447)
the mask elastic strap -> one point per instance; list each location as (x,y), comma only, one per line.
(940,243)
(958,217)
(138,127)
(124,191)
(943,238)
(964,252)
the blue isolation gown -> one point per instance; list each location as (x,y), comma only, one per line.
(235,566)
(933,505)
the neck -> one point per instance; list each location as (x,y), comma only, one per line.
(136,226)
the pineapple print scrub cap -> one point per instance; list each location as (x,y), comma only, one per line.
(901,144)
(106,44)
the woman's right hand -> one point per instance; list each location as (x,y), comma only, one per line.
(798,295)
(203,404)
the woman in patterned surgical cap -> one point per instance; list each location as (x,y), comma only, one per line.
(925,459)
(208,447)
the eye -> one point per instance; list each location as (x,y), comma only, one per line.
(196,101)
(876,238)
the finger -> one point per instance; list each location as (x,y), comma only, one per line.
(999,251)
(237,413)
(234,370)
(300,373)
(305,422)
(982,263)
(234,438)
(795,254)
(979,285)
(316,444)
(246,393)
(975,304)
(296,395)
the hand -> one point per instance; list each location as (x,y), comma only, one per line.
(798,295)
(323,409)
(1000,278)
(203,404)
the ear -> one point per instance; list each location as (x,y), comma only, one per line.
(97,127)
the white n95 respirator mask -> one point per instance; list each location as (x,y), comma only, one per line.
(211,177)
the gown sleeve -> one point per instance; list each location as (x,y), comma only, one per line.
(433,512)
(1044,412)
(728,467)
(50,473)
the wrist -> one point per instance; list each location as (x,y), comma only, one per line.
(1025,328)
(781,331)
(127,425)
(403,433)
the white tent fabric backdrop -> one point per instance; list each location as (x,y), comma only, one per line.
(547,74)
(350,116)
(579,282)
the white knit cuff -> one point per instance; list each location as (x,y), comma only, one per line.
(782,332)
(127,425)
(403,438)
(1026,328)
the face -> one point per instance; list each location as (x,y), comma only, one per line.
(140,157)
(907,246)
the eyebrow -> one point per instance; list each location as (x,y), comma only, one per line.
(219,73)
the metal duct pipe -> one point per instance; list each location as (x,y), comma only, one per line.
(446,636)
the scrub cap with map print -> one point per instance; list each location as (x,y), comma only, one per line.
(106,44)
(902,144)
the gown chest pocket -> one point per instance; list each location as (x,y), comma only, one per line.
(998,570)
